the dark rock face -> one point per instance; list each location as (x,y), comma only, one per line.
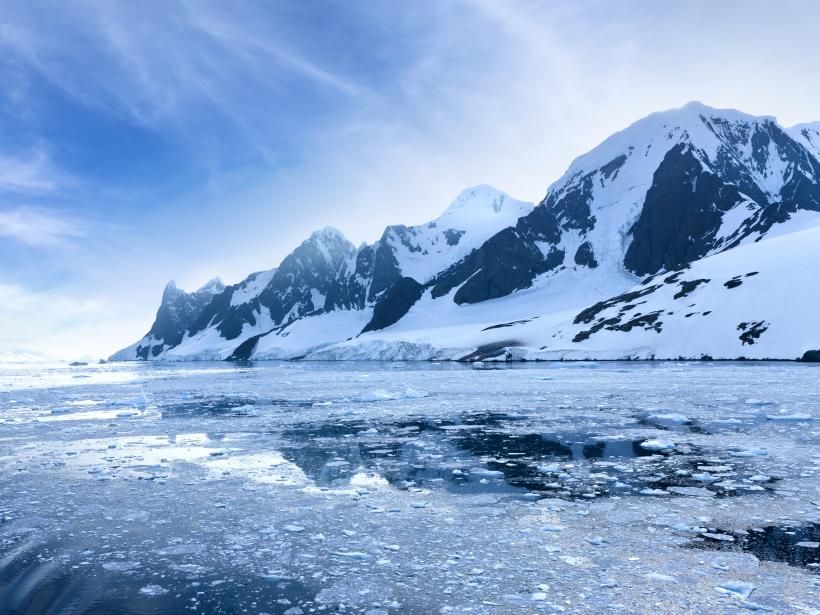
(585,257)
(681,215)
(453,236)
(811,356)
(510,260)
(751,331)
(316,265)
(689,286)
(385,269)
(684,207)
(177,313)
(312,279)
(244,351)
(394,304)
(628,300)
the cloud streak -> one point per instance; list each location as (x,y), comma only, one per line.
(36,226)
(31,174)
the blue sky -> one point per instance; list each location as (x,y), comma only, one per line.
(144,141)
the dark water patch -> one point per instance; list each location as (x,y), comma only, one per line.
(57,578)
(211,407)
(672,424)
(538,446)
(485,452)
(292,403)
(325,431)
(794,545)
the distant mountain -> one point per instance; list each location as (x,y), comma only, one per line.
(325,274)
(683,191)
(19,355)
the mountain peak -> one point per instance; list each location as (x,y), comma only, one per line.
(213,286)
(481,195)
(480,203)
(328,232)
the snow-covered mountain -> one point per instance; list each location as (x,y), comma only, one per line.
(688,197)
(324,276)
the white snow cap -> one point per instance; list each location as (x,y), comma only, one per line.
(809,135)
(214,285)
(327,233)
(480,205)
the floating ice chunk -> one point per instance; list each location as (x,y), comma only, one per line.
(153,590)
(293,528)
(692,491)
(657,444)
(750,452)
(665,578)
(539,596)
(720,537)
(739,589)
(574,560)
(754,606)
(276,575)
(479,471)
(790,418)
(384,395)
(670,418)
(704,477)
(682,527)
(551,528)
(808,544)
(653,492)
(120,566)
(356,555)
(759,402)
(365,479)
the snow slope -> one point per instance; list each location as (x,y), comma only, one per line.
(756,301)
(474,216)
(809,135)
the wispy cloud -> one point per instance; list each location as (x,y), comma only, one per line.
(32,173)
(152,70)
(37,226)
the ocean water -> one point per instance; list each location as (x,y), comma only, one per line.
(359,487)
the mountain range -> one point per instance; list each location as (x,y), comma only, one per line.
(690,234)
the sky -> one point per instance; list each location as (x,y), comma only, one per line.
(155,140)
